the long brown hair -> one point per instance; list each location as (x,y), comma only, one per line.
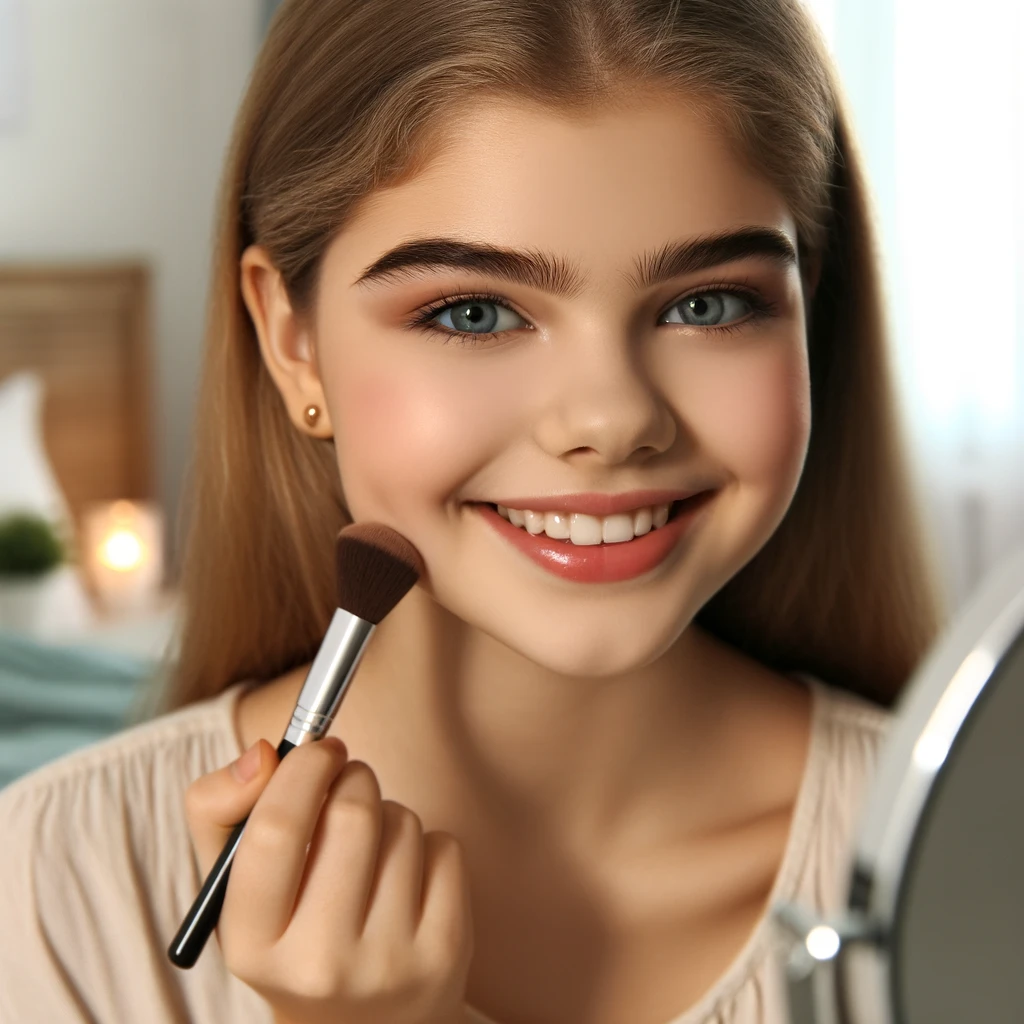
(347,96)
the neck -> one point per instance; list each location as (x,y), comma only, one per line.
(451,718)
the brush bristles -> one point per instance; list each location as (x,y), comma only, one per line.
(376,568)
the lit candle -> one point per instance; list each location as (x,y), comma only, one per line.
(124,553)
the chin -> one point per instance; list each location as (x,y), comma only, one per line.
(598,649)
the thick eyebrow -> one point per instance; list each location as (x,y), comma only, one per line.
(550,273)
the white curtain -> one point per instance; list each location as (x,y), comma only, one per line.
(937,91)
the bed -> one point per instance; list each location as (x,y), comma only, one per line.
(76,422)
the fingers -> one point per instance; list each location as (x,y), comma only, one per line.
(342,858)
(393,902)
(333,892)
(216,802)
(272,853)
(446,922)
(374,881)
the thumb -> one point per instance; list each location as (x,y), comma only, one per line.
(216,802)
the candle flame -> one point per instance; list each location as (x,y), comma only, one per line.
(121,551)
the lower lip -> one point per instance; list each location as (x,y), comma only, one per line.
(601,563)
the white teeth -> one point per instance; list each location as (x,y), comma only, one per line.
(556,525)
(584,529)
(616,529)
(535,522)
(580,528)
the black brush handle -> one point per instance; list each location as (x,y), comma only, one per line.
(204,913)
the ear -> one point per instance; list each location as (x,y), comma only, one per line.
(285,341)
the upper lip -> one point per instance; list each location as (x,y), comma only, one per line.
(597,504)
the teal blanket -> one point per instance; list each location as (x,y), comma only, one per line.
(55,699)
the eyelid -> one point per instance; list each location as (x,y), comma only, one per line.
(424,314)
(741,287)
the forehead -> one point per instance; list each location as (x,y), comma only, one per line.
(596,188)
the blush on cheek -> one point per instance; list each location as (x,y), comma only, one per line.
(757,419)
(403,441)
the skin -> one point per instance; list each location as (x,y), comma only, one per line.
(622,782)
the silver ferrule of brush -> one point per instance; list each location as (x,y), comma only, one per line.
(332,670)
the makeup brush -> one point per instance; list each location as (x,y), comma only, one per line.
(376,567)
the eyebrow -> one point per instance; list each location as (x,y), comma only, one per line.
(550,273)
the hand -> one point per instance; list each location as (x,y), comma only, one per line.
(338,909)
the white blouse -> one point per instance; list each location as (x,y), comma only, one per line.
(97,872)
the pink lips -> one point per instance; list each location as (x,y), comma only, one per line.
(601,563)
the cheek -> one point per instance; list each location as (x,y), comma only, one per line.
(754,414)
(406,439)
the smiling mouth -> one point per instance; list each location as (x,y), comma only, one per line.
(578,528)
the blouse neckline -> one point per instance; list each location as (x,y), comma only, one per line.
(786,879)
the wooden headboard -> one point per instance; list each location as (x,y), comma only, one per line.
(84,328)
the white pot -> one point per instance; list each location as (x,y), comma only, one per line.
(49,607)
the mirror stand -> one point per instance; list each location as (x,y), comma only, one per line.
(814,959)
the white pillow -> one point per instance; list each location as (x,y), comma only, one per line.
(28,484)
(27,481)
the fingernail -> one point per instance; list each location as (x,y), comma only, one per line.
(248,764)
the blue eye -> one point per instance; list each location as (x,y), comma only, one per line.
(471,319)
(477,316)
(710,309)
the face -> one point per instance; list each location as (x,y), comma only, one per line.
(512,390)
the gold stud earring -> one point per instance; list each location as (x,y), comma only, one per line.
(312,414)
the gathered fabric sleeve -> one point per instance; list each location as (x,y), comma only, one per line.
(96,874)
(34,985)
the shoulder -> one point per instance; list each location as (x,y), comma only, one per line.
(154,755)
(851,731)
(97,868)
(847,739)
(112,794)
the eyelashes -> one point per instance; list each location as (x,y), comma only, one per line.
(423,318)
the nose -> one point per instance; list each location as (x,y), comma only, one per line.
(601,405)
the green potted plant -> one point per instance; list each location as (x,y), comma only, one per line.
(31,552)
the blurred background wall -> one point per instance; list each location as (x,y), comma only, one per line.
(937,95)
(111,144)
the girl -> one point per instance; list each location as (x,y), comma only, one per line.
(581,297)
